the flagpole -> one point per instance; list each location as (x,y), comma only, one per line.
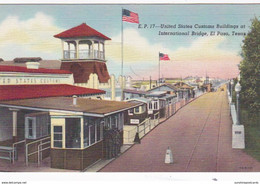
(122,53)
(159,71)
(122,45)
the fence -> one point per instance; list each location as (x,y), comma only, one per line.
(148,124)
(142,129)
(232,107)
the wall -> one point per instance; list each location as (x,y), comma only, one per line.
(16,78)
(76,159)
(6,124)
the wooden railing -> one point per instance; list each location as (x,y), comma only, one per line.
(83,54)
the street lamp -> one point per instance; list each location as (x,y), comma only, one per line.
(238,89)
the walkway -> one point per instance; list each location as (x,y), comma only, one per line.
(200,138)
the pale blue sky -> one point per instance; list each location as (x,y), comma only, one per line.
(107,20)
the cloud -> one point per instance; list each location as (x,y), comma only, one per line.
(203,54)
(31,37)
(206,49)
(136,48)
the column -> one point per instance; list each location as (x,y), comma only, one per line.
(15,139)
(103,51)
(92,49)
(99,50)
(89,51)
(62,46)
(77,49)
(68,50)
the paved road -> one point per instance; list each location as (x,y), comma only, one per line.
(200,138)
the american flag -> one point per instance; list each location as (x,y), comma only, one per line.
(129,16)
(163,56)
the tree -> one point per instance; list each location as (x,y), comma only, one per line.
(250,68)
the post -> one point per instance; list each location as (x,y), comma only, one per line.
(62,47)
(68,50)
(92,49)
(77,49)
(14,112)
(122,45)
(26,155)
(238,89)
(159,71)
(103,51)
(122,53)
(98,55)
(238,110)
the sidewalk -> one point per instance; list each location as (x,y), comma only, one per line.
(102,163)
(200,138)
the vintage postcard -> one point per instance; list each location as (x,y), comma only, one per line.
(165,88)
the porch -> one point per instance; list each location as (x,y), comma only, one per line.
(19,165)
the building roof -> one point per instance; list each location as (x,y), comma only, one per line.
(81,70)
(165,84)
(156,94)
(141,92)
(140,99)
(183,85)
(47,64)
(90,106)
(14,92)
(5,68)
(27,59)
(82,30)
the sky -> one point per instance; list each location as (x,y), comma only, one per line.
(27,31)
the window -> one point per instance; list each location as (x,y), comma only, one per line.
(131,112)
(30,128)
(98,130)
(92,132)
(114,121)
(137,110)
(155,105)
(121,121)
(73,130)
(86,132)
(107,122)
(150,106)
(57,136)
(37,126)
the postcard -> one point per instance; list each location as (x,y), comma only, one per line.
(131,88)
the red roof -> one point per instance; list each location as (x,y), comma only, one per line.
(5,68)
(15,92)
(82,30)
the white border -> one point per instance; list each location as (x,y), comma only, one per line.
(133,178)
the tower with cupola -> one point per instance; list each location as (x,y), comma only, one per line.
(83,53)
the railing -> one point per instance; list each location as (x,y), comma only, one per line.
(14,148)
(148,124)
(142,129)
(40,150)
(84,54)
(27,154)
(70,54)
